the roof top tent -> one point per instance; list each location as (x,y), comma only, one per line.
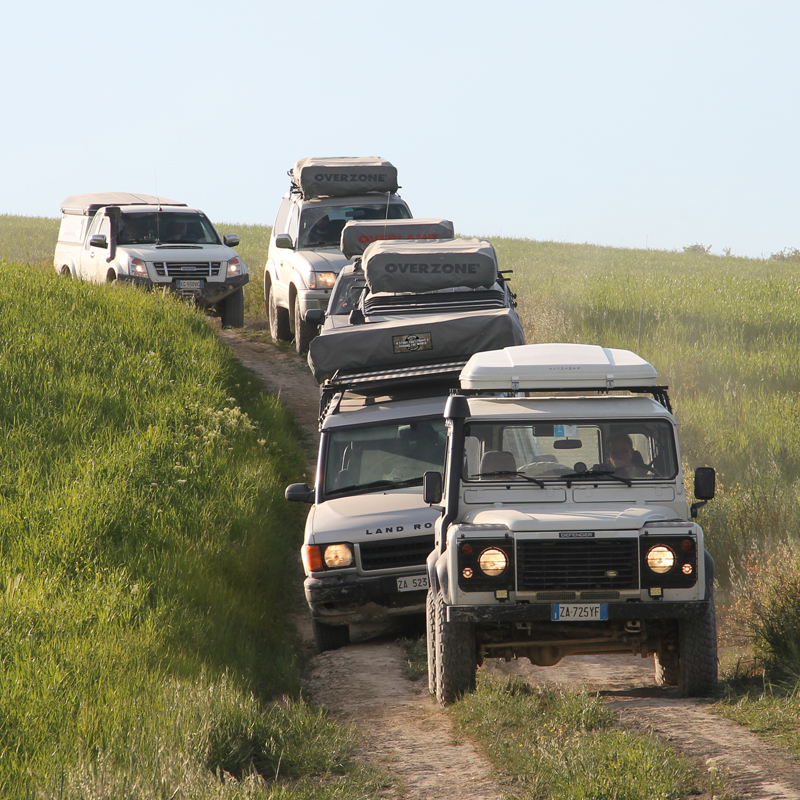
(357,236)
(86,205)
(561,368)
(343,176)
(415,326)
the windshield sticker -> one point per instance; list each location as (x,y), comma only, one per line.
(565,431)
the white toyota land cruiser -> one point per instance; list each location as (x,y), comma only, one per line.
(565,525)
(304,256)
(152,241)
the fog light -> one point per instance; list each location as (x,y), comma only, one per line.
(660,559)
(686,569)
(467,572)
(492,561)
(338,555)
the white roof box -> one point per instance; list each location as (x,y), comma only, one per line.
(356,234)
(540,367)
(343,177)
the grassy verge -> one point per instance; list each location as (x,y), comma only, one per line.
(555,744)
(148,561)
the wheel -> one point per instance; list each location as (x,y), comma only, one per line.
(330,637)
(278,319)
(430,638)
(231,310)
(666,668)
(65,272)
(455,656)
(697,654)
(304,331)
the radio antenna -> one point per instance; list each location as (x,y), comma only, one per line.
(158,200)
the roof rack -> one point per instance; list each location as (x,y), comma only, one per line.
(372,383)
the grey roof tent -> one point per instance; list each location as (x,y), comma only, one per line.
(432,329)
(87,204)
(343,177)
(357,235)
(429,266)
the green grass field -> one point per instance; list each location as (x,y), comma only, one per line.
(148,560)
(110,447)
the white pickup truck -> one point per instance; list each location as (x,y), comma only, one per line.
(152,241)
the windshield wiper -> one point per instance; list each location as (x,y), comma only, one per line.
(383,484)
(509,472)
(598,471)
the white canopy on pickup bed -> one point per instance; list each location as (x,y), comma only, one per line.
(87,204)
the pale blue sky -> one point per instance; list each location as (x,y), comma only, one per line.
(631,124)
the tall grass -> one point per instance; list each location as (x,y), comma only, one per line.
(147,558)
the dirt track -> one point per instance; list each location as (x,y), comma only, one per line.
(409,735)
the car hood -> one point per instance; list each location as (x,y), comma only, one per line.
(323,260)
(364,517)
(178,253)
(617,518)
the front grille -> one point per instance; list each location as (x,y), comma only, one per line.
(184,269)
(577,565)
(393,553)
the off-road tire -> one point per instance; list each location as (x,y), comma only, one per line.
(304,331)
(278,319)
(430,636)
(330,637)
(666,668)
(697,654)
(455,656)
(231,310)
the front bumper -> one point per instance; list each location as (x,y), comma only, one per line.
(540,612)
(354,598)
(211,293)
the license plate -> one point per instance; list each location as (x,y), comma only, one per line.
(413,583)
(183,283)
(578,612)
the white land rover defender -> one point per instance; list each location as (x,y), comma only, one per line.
(152,241)
(304,256)
(565,525)
(368,533)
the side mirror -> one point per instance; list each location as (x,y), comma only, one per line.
(315,316)
(99,240)
(299,493)
(231,240)
(705,486)
(284,242)
(432,487)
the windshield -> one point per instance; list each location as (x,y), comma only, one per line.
(321,226)
(347,291)
(634,450)
(379,457)
(153,227)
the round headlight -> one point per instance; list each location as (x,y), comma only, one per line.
(338,555)
(492,561)
(660,559)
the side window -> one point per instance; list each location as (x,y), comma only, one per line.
(293,226)
(95,227)
(282,218)
(105,228)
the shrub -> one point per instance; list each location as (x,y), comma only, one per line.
(767,604)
